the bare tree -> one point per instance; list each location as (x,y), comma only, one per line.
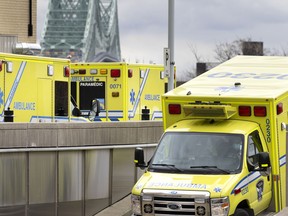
(275,52)
(225,51)
(190,72)
(195,53)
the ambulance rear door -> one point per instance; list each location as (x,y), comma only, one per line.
(20,89)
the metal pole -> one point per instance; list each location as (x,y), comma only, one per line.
(171,43)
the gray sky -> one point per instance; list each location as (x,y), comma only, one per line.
(200,23)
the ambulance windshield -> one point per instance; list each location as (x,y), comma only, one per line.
(203,153)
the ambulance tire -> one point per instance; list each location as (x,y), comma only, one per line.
(241,212)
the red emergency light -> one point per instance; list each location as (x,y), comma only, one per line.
(237,191)
(174,109)
(66,71)
(130,73)
(260,111)
(115,72)
(244,110)
(279,108)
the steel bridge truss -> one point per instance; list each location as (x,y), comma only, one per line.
(86,30)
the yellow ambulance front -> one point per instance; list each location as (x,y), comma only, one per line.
(205,167)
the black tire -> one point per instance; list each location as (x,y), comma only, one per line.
(241,212)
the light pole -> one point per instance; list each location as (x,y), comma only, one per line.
(171,43)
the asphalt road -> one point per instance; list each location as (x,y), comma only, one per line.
(121,208)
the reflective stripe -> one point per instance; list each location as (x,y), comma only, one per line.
(283,160)
(15,85)
(246,180)
(131,114)
(156,114)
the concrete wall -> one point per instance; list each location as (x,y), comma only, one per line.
(74,169)
(19,135)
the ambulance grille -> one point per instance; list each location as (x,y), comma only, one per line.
(162,206)
(167,202)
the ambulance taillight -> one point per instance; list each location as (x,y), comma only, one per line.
(115,72)
(260,111)
(244,111)
(66,71)
(279,108)
(1,63)
(130,73)
(174,109)
(82,71)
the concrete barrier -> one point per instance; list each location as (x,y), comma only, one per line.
(70,168)
(32,135)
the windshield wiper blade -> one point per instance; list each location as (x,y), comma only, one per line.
(168,165)
(210,167)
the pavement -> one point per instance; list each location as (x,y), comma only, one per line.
(284,212)
(121,208)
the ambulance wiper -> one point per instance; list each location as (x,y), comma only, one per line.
(168,165)
(209,167)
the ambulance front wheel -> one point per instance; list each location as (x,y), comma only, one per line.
(242,212)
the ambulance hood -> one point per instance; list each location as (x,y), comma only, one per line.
(215,184)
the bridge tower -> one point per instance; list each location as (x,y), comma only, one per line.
(87,30)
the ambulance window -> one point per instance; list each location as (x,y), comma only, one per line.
(90,91)
(254,146)
(61,98)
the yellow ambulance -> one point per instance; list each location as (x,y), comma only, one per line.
(223,151)
(119,91)
(34,89)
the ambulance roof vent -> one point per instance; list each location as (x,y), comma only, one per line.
(237,84)
(26,49)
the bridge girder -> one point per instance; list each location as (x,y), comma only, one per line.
(83,29)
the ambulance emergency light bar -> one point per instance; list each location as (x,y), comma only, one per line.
(113,72)
(220,111)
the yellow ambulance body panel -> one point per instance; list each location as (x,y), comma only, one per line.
(34,89)
(125,91)
(223,151)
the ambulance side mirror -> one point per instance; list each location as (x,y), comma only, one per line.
(262,161)
(95,109)
(139,158)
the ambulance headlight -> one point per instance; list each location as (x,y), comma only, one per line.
(220,206)
(136,205)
